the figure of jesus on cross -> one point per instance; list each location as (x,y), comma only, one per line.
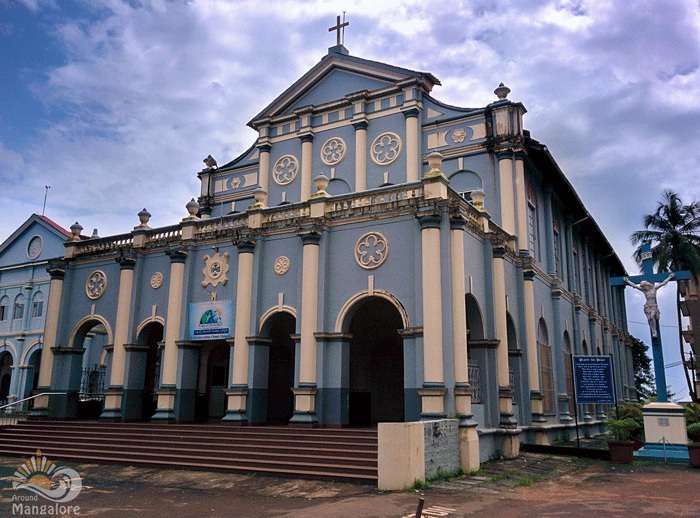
(649,283)
(651,308)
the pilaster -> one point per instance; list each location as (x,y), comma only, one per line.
(121,334)
(166,396)
(360,155)
(237,395)
(306,390)
(505,391)
(306,165)
(412,145)
(433,392)
(57,271)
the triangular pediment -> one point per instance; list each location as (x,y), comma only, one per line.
(37,239)
(337,75)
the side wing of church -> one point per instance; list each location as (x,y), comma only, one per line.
(24,295)
(375,256)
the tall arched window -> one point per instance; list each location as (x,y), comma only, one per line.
(557,245)
(546,370)
(18,308)
(4,308)
(532,226)
(38,305)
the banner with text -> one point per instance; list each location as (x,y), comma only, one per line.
(593,380)
(211,320)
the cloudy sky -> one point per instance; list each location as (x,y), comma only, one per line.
(114,104)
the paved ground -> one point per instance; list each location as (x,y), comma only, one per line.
(533,485)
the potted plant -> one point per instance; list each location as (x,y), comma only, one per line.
(694,445)
(620,445)
(633,412)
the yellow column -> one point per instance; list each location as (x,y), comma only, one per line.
(306,166)
(521,203)
(237,393)
(264,175)
(166,395)
(53,311)
(511,441)
(433,391)
(360,155)
(305,392)
(469,438)
(533,370)
(113,396)
(505,175)
(413,160)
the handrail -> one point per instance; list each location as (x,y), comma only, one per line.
(33,397)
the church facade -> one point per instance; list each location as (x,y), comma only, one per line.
(375,256)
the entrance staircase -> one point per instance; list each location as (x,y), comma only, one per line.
(337,454)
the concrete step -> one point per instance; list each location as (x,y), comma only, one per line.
(344,454)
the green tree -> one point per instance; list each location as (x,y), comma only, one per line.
(673,231)
(643,376)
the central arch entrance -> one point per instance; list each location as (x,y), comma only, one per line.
(376,363)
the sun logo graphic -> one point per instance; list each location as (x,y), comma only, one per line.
(44,478)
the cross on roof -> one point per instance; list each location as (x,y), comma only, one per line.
(339,28)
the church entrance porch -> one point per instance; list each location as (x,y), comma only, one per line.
(376,364)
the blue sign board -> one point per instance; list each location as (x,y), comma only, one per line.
(211,320)
(593,380)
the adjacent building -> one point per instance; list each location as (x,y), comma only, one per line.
(24,295)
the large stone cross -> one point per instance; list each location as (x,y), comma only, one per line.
(647,284)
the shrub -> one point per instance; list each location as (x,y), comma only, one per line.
(694,432)
(692,413)
(622,429)
(631,411)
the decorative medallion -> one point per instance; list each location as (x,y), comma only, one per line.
(156,280)
(216,269)
(458,135)
(35,247)
(282,265)
(285,170)
(333,151)
(96,284)
(236,183)
(386,148)
(371,250)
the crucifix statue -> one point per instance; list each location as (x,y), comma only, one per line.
(651,308)
(649,283)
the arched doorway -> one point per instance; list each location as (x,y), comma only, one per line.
(279,328)
(376,363)
(92,336)
(150,336)
(5,376)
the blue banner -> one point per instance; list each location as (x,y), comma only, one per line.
(211,320)
(593,380)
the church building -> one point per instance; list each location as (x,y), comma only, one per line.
(375,256)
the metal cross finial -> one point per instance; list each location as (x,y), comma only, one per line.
(340,29)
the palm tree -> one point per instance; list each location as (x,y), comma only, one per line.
(673,231)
